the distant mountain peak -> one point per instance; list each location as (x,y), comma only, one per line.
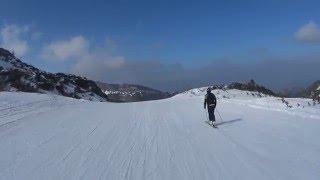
(131,92)
(313,91)
(251,86)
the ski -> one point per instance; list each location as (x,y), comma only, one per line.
(212,125)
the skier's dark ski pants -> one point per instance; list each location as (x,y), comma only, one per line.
(211,113)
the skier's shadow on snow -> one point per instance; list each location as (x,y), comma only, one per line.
(228,122)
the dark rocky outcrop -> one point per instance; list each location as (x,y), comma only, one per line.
(251,86)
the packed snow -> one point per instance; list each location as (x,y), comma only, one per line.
(258,137)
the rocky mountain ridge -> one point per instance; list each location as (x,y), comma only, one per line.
(16,75)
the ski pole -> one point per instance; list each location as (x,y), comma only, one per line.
(219,115)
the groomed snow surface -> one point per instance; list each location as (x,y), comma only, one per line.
(53,137)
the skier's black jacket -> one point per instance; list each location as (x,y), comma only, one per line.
(210,100)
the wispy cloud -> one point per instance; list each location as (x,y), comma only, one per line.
(87,59)
(309,33)
(12,38)
(78,49)
(75,47)
(94,66)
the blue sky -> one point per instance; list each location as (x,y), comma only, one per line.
(169,42)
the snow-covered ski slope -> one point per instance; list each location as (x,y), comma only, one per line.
(54,137)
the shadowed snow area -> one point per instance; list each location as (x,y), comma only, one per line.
(258,137)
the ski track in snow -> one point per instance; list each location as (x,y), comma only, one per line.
(52,137)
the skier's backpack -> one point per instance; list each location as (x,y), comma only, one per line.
(211,99)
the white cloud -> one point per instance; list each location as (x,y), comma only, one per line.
(76,47)
(12,39)
(95,66)
(115,62)
(36,35)
(308,33)
(88,60)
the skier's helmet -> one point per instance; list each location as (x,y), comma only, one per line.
(209,90)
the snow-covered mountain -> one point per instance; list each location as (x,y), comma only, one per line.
(18,76)
(286,104)
(251,86)
(131,92)
(313,91)
(258,137)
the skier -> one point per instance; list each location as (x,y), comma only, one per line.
(210,100)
